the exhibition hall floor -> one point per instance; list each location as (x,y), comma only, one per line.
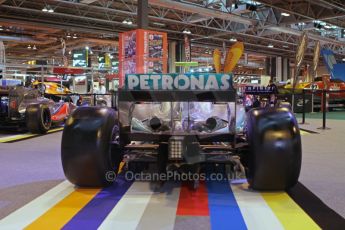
(35,194)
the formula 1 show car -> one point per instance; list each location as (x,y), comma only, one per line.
(24,108)
(182,122)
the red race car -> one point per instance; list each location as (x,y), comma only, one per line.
(336,99)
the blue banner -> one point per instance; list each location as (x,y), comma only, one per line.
(337,71)
(175,81)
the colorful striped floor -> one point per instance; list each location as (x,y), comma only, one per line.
(133,205)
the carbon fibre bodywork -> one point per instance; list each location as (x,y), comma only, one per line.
(15,100)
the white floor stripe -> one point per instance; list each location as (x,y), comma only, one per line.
(160,212)
(22,217)
(255,211)
(127,213)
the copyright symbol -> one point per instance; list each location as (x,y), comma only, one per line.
(110,176)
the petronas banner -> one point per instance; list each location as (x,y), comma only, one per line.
(2,59)
(316,59)
(302,46)
(2,54)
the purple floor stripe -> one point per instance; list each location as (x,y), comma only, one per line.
(94,213)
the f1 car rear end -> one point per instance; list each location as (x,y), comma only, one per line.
(22,107)
(182,122)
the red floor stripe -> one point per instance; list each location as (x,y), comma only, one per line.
(193,202)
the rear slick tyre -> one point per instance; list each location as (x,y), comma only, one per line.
(38,118)
(275,149)
(90,157)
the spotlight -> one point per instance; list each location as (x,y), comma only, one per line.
(343,59)
(34,48)
(233,39)
(75,36)
(51,10)
(29,46)
(285,14)
(270,46)
(87,48)
(70,52)
(1,28)
(45,9)
(68,35)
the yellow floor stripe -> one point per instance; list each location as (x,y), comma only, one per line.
(25,136)
(16,137)
(303,132)
(62,212)
(288,212)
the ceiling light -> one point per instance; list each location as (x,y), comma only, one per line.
(45,9)
(91,52)
(75,36)
(285,14)
(270,46)
(327,26)
(233,39)
(343,59)
(29,46)
(87,48)
(285,46)
(261,68)
(51,10)
(1,28)
(34,48)
(68,35)
(127,21)
(186,31)
(70,52)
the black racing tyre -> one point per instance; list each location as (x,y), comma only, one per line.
(90,152)
(274,161)
(38,118)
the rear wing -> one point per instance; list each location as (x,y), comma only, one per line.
(178,87)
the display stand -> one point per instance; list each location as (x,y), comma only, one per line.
(142,51)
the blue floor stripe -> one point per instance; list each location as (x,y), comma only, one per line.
(94,213)
(224,211)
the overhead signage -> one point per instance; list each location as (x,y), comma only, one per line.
(259,90)
(175,81)
(64,70)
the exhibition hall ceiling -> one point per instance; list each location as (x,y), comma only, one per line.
(267,27)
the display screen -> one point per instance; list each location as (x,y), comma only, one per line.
(101,61)
(80,58)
